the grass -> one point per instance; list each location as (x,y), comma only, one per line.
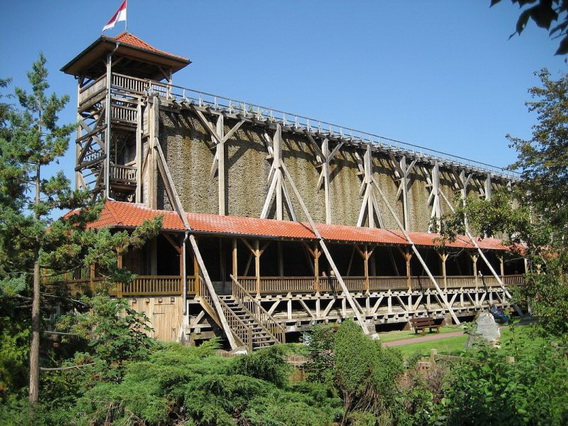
(393,336)
(449,346)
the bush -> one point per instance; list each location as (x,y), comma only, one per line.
(490,390)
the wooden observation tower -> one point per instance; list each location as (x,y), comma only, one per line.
(115,77)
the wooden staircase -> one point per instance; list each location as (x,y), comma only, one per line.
(260,336)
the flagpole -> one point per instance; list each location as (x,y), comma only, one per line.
(126,18)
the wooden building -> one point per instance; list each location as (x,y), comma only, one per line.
(272,222)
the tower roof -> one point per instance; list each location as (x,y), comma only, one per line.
(138,58)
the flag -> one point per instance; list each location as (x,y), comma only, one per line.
(120,15)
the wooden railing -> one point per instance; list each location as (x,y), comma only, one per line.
(124,113)
(242,331)
(121,174)
(513,280)
(278,285)
(283,285)
(151,285)
(129,84)
(92,89)
(255,309)
(224,316)
(286,119)
(171,285)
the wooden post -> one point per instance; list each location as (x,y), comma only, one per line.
(139,120)
(407,258)
(257,266)
(325,171)
(365,255)
(444,257)
(502,266)
(474,258)
(220,128)
(197,278)
(316,253)
(235,259)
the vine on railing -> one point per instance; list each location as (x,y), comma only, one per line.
(261,315)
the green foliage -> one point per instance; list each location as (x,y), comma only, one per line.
(36,248)
(533,217)
(490,390)
(321,364)
(13,356)
(268,364)
(543,13)
(366,373)
(114,334)
(177,384)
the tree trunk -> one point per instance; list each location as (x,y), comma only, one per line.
(33,395)
(34,346)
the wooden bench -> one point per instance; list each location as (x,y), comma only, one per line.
(424,323)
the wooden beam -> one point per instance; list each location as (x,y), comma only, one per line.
(325,250)
(416,252)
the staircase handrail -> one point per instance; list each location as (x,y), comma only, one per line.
(242,332)
(261,315)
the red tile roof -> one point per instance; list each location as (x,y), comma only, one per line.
(132,40)
(128,215)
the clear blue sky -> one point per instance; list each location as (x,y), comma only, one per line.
(439,73)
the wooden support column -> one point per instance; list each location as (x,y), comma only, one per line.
(324,157)
(315,253)
(197,275)
(369,206)
(474,258)
(277,188)
(434,199)
(404,186)
(443,258)
(256,251)
(220,155)
(153,127)
(235,259)
(502,266)
(408,258)
(325,250)
(218,139)
(488,188)
(365,255)
(257,266)
(402,171)
(138,193)
(108,124)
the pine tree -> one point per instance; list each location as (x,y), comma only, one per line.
(35,247)
(33,140)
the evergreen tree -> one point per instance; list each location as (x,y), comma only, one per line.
(33,140)
(35,248)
